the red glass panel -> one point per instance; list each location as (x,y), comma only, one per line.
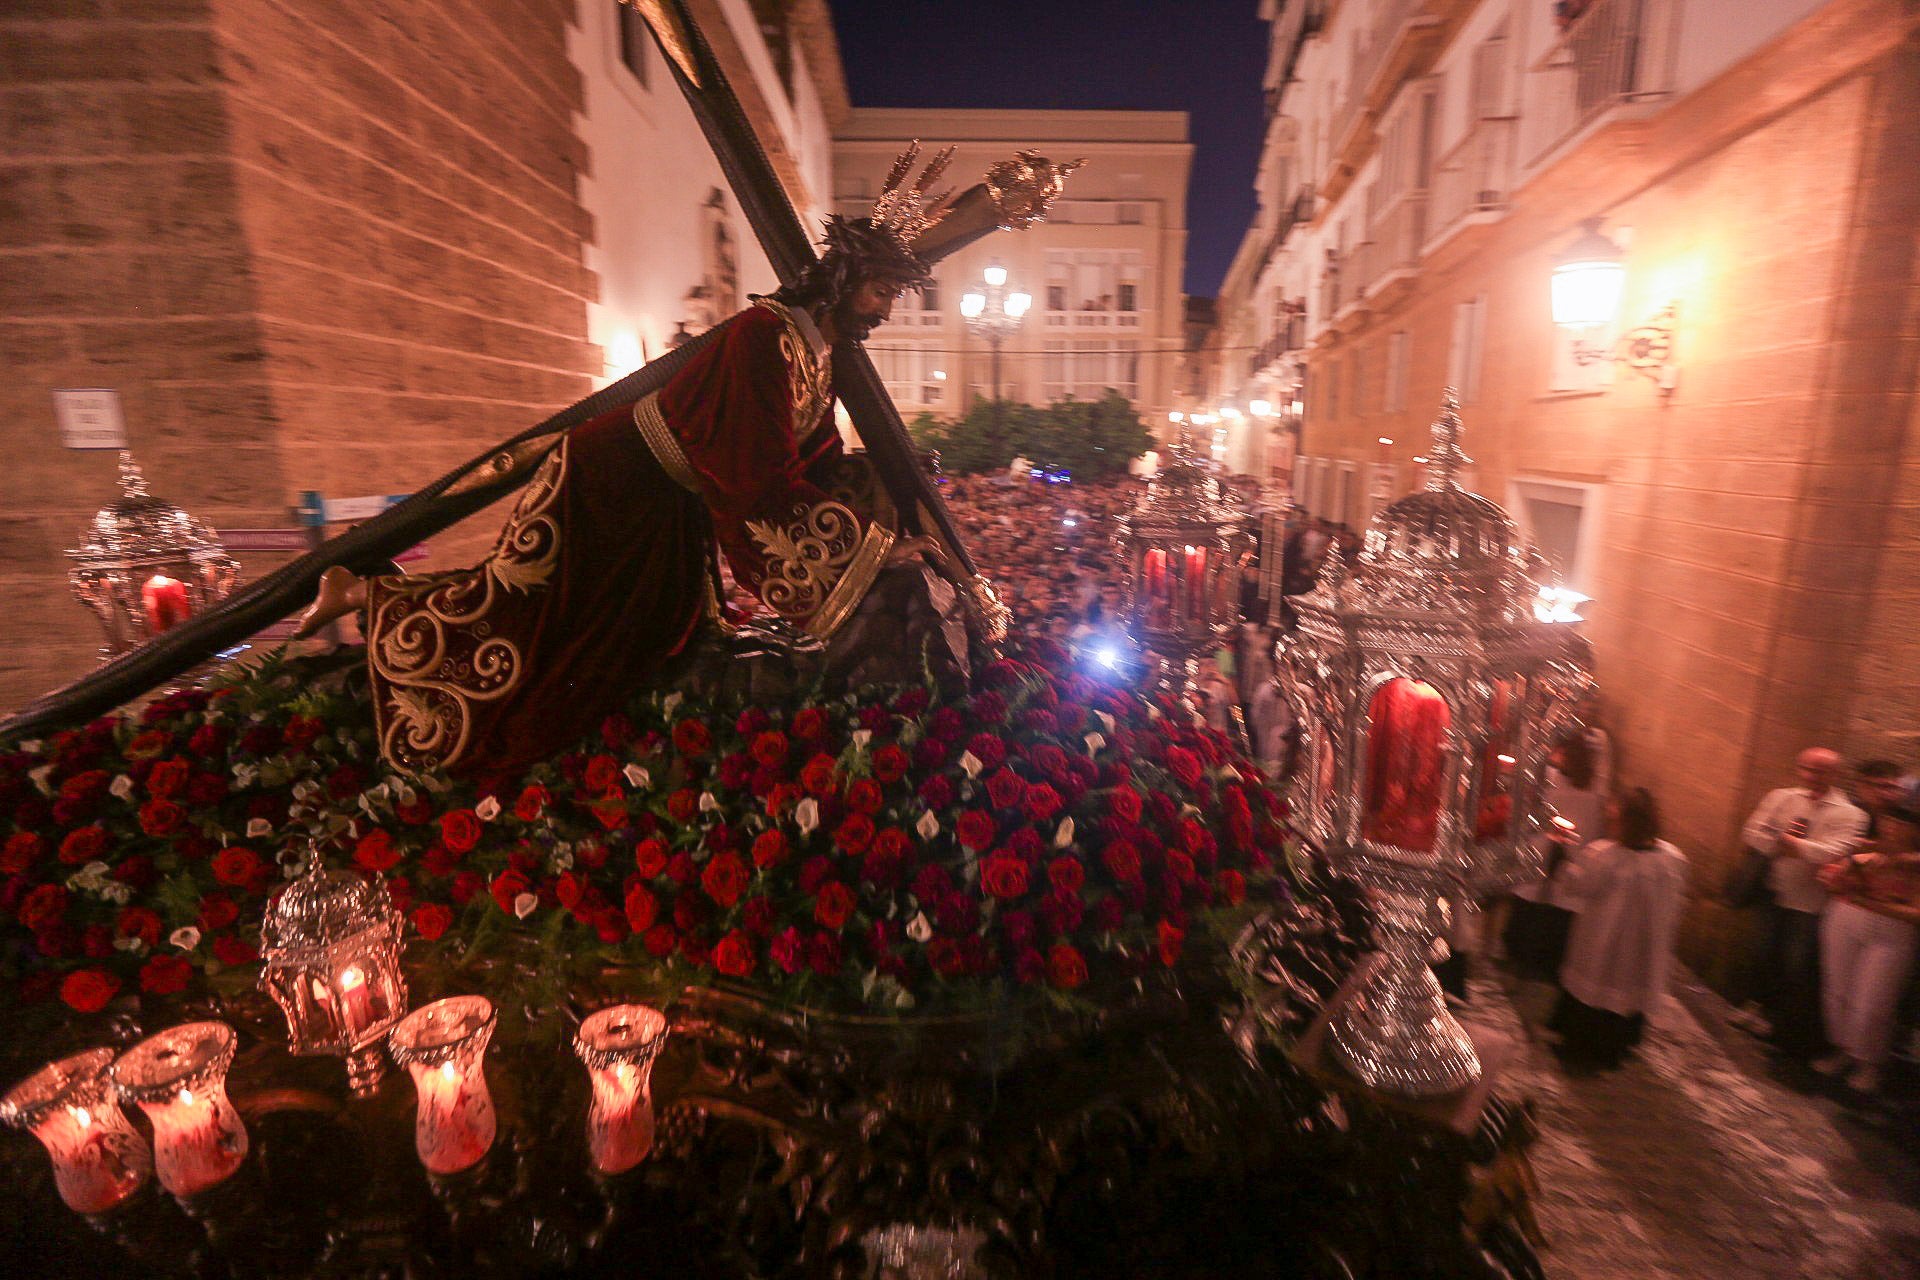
(1406,764)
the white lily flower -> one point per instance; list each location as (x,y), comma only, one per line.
(186,938)
(1106,721)
(708,802)
(487,810)
(1063,836)
(861,737)
(1094,742)
(121,787)
(525,905)
(919,928)
(41,778)
(928,826)
(971,763)
(638,776)
(806,815)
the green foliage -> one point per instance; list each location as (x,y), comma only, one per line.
(1090,438)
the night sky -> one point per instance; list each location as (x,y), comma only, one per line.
(1204,57)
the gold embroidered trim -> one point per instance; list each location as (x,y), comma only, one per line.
(804,556)
(809,378)
(854,583)
(430,639)
(660,439)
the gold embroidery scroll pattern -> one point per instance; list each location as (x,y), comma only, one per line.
(434,646)
(808,378)
(804,556)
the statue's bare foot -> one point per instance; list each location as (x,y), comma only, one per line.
(341,592)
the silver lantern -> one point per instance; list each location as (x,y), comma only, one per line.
(146,565)
(1429,687)
(330,958)
(1181,550)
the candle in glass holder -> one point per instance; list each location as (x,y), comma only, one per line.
(165,601)
(442,1047)
(179,1078)
(69,1105)
(619,1045)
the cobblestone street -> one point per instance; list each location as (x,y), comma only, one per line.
(1700,1157)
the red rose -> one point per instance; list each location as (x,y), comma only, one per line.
(816,778)
(532,803)
(788,950)
(611,813)
(650,857)
(680,869)
(770,748)
(1029,967)
(1066,967)
(691,738)
(165,779)
(769,849)
(148,744)
(236,866)
(432,920)
(1042,802)
(936,792)
(733,955)
(602,774)
(810,724)
(833,905)
(208,739)
(823,954)
(682,805)
(1006,789)
(165,975)
(1170,938)
(1180,866)
(890,763)
(864,796)
(228,949)
(1184,765)
(975,830)
(22,850)
(725,878)
(642,908)
(1193,835)
(1122,860)
(507,886)
(375,852)
(946,957)
(217,911)
(464,887)
(460,830)
(1066,874)
(161,817)
(88,990)
(1125,804)
(141,923)
(1003,876)
(782,797)
(660,941)
(854,835)
(90,785)
(569,889)
(301,732)
(83,845)
(892,842)
(989,750)
(1233,887)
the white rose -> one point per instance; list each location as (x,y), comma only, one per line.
(806,815)
(638,776)
(121,787)
(919,928)
(707,802)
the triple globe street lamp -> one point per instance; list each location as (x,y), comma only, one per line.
(994,312)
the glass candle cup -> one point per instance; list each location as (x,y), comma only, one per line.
(69,1105)
(179,1078)
(442,1046)
(618,1046)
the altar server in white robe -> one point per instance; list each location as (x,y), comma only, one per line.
(1620,953)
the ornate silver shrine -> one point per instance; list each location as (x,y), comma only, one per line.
(1429,692)
(146,565)
(1181,550)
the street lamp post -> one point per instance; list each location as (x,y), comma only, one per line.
(994,312)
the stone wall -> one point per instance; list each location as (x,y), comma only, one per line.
(314,246)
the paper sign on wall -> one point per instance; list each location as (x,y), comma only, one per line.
(90,418)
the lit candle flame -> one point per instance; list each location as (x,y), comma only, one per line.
(350,978)
(82,1117)
(186,1097)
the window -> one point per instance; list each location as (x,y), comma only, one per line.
(1469,336)
(930,296)
(1333,389)
(1359,397)
(634,41)
(1399,348)
(1056,297)
(1129,297)
(1130,214)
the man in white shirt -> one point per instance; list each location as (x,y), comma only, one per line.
(1803,828)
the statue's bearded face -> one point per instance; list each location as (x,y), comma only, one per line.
(864,308)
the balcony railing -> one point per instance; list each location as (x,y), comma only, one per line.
(1616,53)
(1393,245)
(1475,177)
(1390,18)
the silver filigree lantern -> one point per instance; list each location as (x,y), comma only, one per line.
(1429,692)
(146,565)
(1181,549)
(330,952)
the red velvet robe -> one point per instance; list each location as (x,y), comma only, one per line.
(606,566)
